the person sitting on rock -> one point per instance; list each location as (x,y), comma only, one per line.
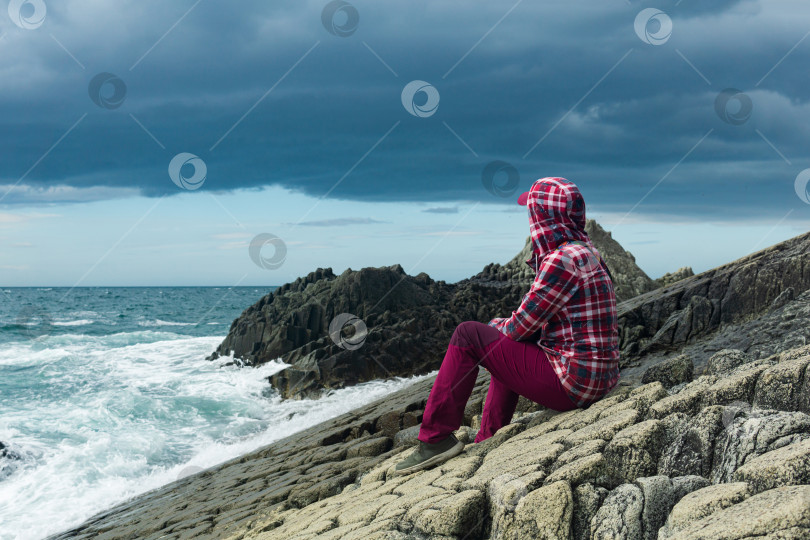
(559,349)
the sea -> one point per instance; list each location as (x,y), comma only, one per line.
(105,393)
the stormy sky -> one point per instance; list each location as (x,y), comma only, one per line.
(151,142)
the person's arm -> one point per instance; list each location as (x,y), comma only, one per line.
(552,288)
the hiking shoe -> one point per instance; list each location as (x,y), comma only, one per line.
(429,455)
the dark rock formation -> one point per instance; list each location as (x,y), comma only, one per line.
(629,280)
(671,277)
(9,460)
(671,372)
(665,320)
(409,319)
(735,345)
(8,453)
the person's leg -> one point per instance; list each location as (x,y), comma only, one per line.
(499,407)
(444,410)
(518,368)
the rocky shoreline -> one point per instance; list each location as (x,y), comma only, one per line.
(700,460)
(707,435)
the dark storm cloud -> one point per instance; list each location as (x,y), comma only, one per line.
(334,122)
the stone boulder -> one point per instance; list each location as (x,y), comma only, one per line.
(457,514)
(753,434)
(780,386)
(545,513)
(588,498)
(659,498)
(691,450)
(619,517)
(671,372)
(634,451)
(782,512)
(701,503)
(726,360)
(785,466)
(736,385)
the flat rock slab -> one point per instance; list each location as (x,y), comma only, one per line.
(789,465)
(702,503)
(603,429)
(783,512)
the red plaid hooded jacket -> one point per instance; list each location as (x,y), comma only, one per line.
(570,309)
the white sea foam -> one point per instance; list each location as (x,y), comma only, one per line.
(80,322)
(159,322)
(109,417)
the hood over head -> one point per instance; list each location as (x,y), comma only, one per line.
(556,214)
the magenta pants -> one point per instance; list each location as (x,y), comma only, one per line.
(518,368)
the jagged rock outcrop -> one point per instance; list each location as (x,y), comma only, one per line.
(9,460)
(5,451)
(629,280)
(408,319)
(671,372)
(658,323)
(734,472)
(671,277)
(733,345)
(408,322)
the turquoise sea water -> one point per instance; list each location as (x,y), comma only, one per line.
(105,393)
